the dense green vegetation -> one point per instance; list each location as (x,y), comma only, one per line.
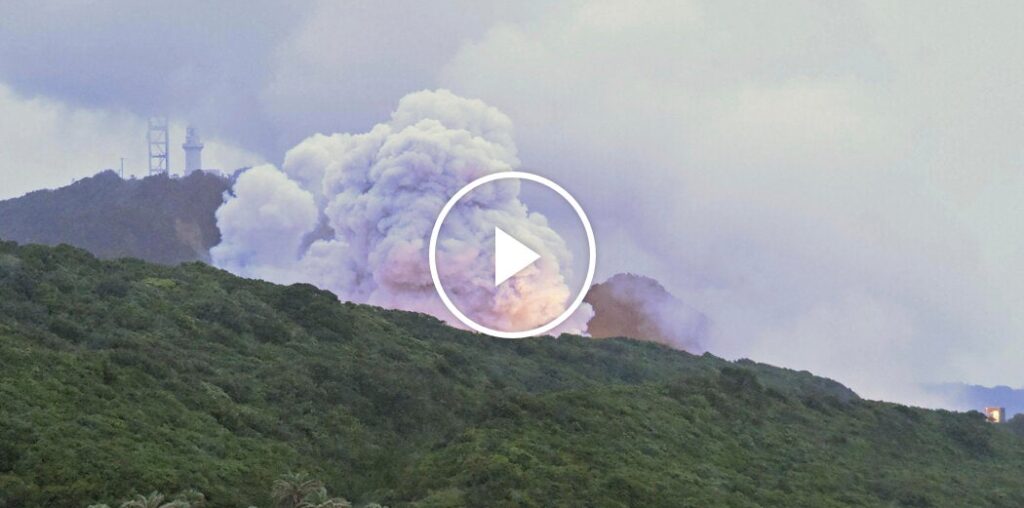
(120,378)
(158,219)
(291,490)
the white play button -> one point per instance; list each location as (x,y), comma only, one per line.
(510,256)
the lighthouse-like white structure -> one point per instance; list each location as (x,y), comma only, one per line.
(193,151)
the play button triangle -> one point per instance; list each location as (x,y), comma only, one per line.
(510,256)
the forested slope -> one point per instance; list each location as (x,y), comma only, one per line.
(158,219)
(121,376)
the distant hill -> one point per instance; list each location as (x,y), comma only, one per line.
(122,376)
(966,397)
(157,219)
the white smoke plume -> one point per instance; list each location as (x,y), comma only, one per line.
(352,213)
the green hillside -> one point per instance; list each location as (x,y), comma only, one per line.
(158,219)
(122,377)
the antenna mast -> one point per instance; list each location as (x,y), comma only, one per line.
(159,141)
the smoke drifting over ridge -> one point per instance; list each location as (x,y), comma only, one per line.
(628,305)
(352,213)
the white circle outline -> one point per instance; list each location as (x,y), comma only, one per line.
(507,175)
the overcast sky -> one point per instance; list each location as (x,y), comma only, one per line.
(838,185)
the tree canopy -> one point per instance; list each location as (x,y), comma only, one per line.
(120,378)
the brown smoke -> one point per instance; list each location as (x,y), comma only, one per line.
(638,307)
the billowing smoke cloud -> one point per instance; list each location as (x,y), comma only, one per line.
(628,305)
(832,205)
(837,186)
(352,213)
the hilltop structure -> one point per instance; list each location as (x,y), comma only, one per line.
(158,138)
(193,151)
(996,414)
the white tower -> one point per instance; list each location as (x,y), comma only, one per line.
(193,151)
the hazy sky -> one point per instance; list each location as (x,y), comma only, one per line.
(837,185)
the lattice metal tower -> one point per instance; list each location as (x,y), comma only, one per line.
(159,142)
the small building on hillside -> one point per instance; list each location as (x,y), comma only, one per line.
(996,414)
